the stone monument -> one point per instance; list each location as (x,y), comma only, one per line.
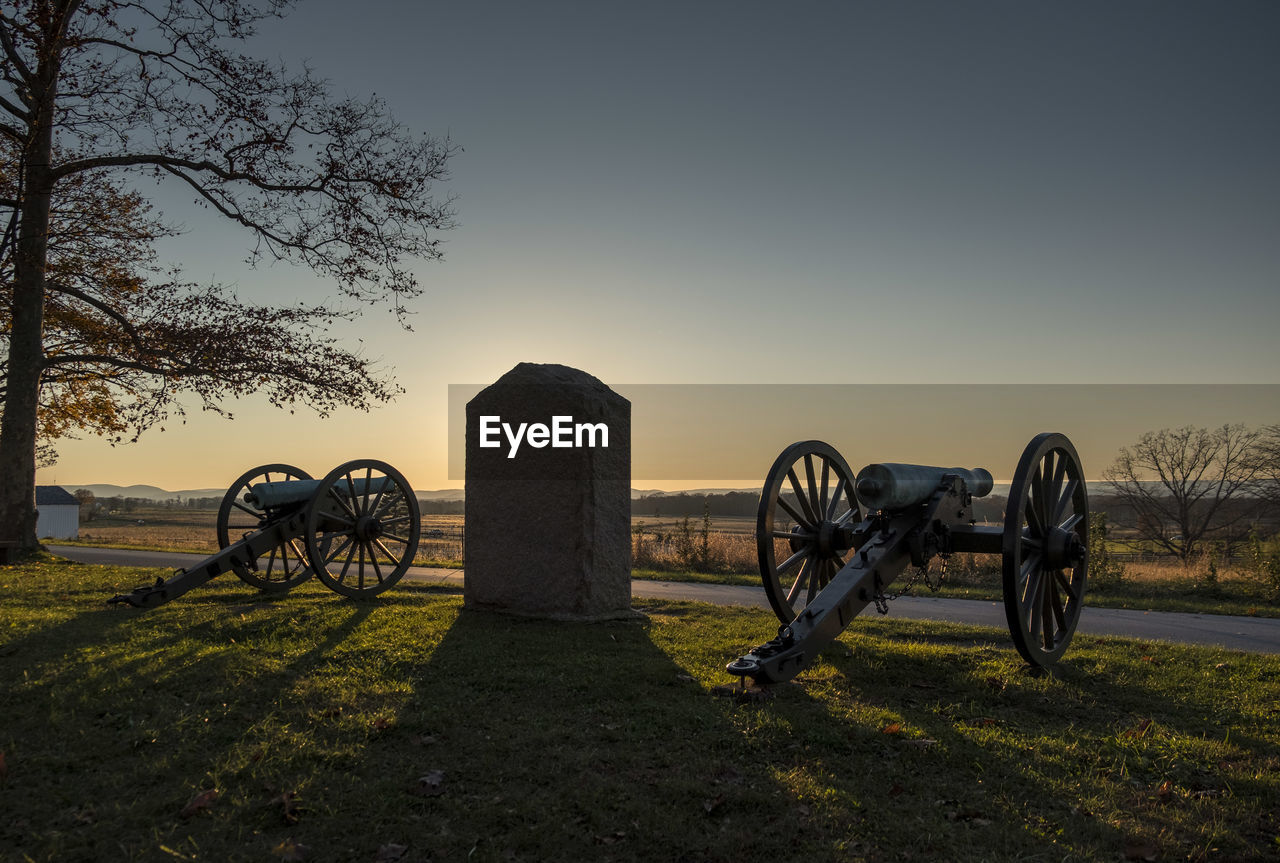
(548,497)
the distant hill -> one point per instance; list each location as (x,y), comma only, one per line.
(442,494)
(147,492)
(151,492)
(637,493)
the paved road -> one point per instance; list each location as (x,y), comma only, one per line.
(1254,634)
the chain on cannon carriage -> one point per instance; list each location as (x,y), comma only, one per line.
(831,543)
(356,530)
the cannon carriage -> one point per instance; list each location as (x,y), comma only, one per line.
(356,530)
(830,543)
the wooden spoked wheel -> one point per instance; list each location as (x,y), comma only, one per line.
(803,526)
(1046,549)
(363,525)
(286,565)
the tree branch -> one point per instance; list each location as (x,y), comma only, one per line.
(11,52)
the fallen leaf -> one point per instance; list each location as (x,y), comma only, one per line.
(995,683)
(390,853)
(381,724)
(686,678)
(1165,792)
(1151,659)
(920,742)
(710,806)
(291,850)
(896,789)
(431,784)
(1140,849)
(611,838)
(200,803)
(290,810)
(891,728)
(1140,730)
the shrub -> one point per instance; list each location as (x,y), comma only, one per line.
(1104,570)
(1264,562)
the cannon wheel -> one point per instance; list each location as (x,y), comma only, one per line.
(286,566)
(1046,548)
(821,483)
(367,548)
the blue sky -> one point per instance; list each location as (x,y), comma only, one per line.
(747,192)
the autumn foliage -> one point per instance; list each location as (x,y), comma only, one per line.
(98,336)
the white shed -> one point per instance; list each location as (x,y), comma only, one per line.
(59,513)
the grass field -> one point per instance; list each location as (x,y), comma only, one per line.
(1163,586)
(194,530)
(227,726)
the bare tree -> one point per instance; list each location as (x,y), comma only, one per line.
(1187,485)
(97,94)
(1268,479)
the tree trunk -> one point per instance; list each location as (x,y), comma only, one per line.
(26,344)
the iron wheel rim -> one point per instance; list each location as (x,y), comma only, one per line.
(288,564)
(1044,585)
(810,563)
(349,556)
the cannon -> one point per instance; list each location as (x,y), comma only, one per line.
(823,561)
(356,530)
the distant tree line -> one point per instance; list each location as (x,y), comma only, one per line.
(733,504)
(441,507)
(91,505)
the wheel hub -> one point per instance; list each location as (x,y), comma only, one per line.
(834,538)
(368,528)
(1062,548)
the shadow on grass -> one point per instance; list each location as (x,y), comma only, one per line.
(538,740)
(351,727)
(115,716)
(1096,759)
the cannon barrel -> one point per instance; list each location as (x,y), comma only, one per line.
(267,495)
(898,486)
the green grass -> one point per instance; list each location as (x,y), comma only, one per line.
(1155,588)
(1177,591)
(421,560)
(693,577)
(348,728)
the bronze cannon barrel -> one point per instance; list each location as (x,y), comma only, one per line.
(274,494)
(898,486)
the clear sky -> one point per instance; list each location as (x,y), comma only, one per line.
(746,192)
